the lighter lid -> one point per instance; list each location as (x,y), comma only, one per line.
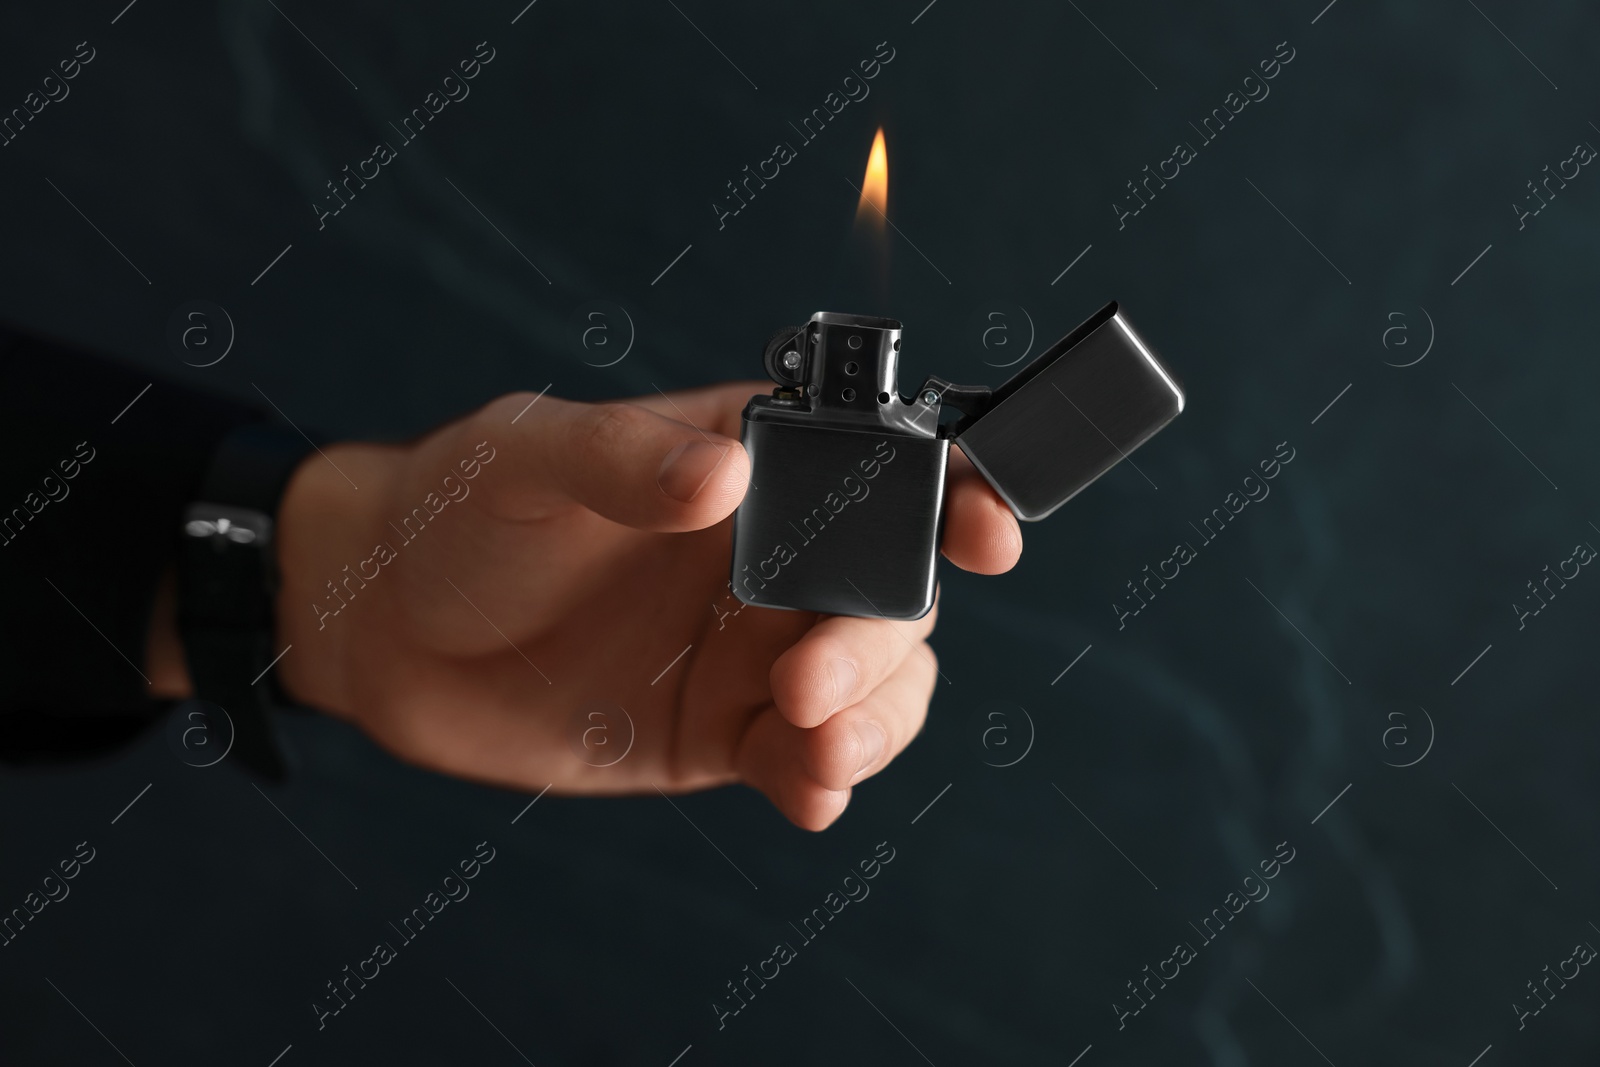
(1071,415)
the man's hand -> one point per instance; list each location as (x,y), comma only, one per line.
(480,613)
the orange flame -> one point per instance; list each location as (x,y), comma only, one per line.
(875,186)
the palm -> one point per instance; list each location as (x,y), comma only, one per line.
(568,622)
(598,639)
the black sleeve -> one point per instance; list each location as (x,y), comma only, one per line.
(97,462)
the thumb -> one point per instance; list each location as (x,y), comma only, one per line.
(623,462)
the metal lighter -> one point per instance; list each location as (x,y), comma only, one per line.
(845,507)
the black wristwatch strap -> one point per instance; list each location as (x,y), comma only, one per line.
(227,583)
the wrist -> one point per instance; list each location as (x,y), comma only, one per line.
(163,650)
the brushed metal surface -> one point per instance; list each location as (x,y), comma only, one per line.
(843,522)
(1079,410)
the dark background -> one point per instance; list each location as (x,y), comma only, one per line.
(1196,739)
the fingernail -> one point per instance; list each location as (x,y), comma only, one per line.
(688,467)
(872,741)
(844,682)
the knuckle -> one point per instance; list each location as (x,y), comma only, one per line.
(915,731)
(514,410)
(612,425)
(834,755)
(510,403)
(403,728)
(930,674)
(909,726)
